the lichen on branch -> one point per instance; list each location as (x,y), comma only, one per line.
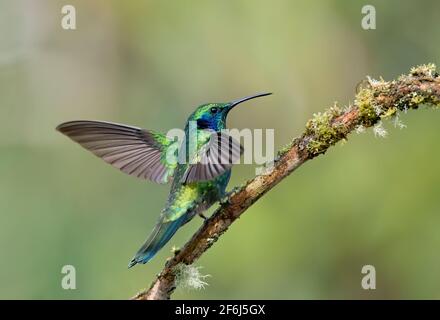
(376,100)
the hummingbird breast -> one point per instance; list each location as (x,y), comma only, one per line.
(193,198)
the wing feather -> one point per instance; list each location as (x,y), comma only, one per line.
(135,151)
(215,158)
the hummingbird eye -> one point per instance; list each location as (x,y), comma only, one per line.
(214,110)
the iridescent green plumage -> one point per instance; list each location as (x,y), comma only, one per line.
(187,200)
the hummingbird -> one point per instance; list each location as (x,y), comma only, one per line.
(198,178)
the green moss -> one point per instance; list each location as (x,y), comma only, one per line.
(391,112)
(375,100)
(284,150)
(416,99)
(368,115)
(368,99)
(323,131)
(435,101)
(427,70)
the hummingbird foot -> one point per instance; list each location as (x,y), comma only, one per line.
(225,197)
(201,215)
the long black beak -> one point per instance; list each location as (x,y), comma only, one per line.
(236,102)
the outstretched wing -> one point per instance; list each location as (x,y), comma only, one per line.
(217,156)
(137,152)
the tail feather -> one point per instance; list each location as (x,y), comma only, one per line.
(161,234)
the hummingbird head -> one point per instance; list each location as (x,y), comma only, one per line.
(213,115)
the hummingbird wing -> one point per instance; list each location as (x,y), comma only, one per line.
(137,152)
(217,156)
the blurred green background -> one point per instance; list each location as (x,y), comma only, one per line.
(149,63)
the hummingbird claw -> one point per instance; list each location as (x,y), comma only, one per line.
(201,215)
(224,200)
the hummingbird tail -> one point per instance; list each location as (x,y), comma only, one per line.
(161,234)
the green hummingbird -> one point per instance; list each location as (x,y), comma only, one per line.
(199,177)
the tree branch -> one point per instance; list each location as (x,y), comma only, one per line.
(375,100)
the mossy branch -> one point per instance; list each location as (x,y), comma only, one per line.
(375,101)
